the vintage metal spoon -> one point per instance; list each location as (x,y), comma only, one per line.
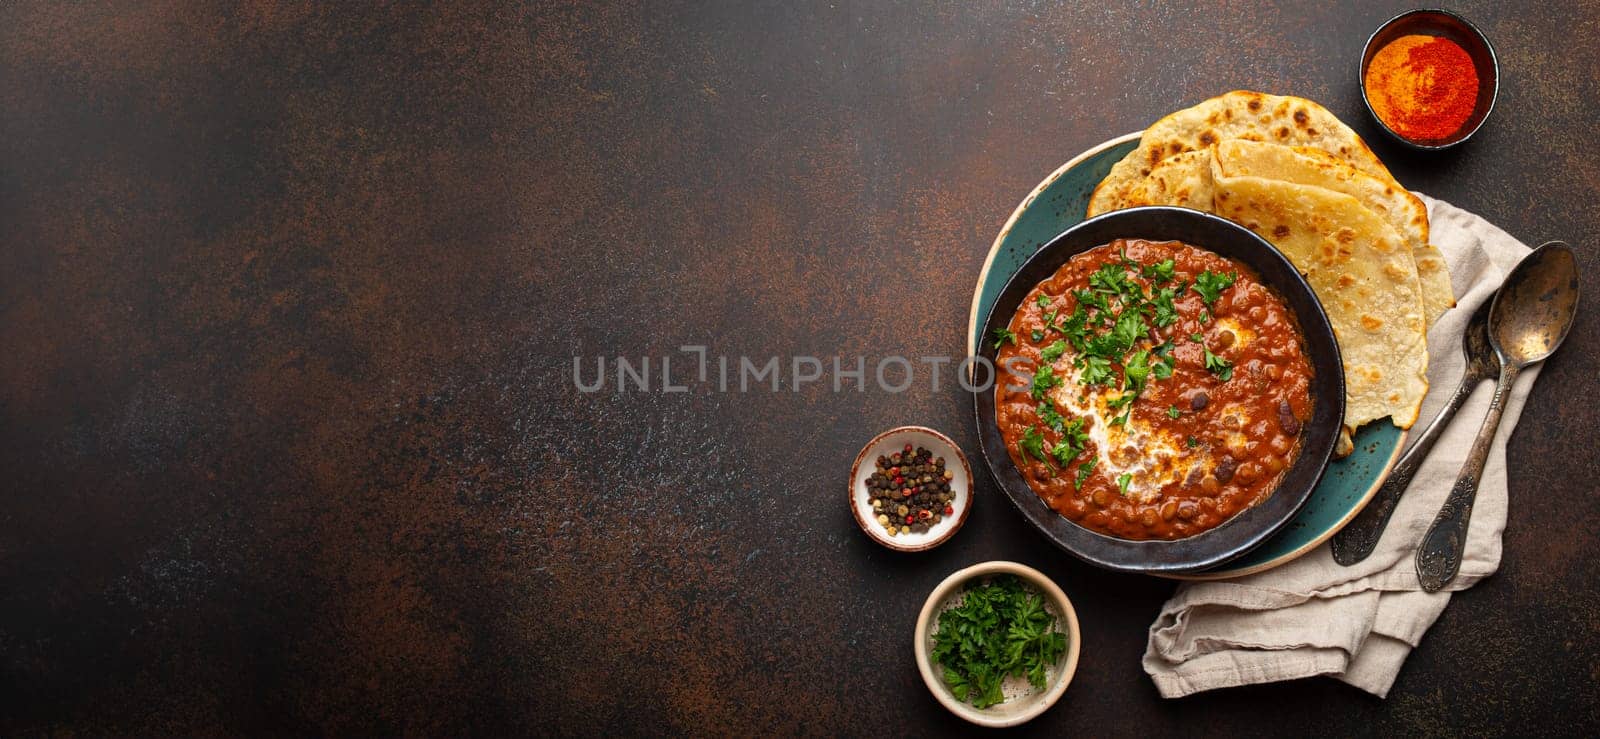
(1528,320)
(1358,538)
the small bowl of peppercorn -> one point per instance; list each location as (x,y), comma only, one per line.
(1430,78)
(910,488)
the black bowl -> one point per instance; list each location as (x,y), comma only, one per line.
(1468,37)
(1251,526)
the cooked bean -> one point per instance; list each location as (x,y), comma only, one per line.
(1225,469)
(1199,401)
(1286,419)
(1247,473)
(1169,509)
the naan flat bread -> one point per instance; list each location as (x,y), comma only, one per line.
(1240,114)
(1402,210)
(1185,180)
(1362,271)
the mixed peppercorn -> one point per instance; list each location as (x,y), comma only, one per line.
(910,491)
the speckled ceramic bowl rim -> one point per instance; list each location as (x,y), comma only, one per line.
(1367,53)
(1047,587)
(1224,572)
(882,537)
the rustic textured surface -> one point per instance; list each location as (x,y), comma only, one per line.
(289,296)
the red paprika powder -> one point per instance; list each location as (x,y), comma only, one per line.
(1422,87)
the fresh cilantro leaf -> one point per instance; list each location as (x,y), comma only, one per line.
(1064,452)
(1002,335)
(1123,480)
(1163,369)
(1211,284)
(1075,327)
(1096,371)
(1052,418)
(1197,338)
(1033,444)
(1084,470)
(1037,336)
(1136,370)
(1092,299)
(1205,316)
(1164,313)
(1160,271)
(1113,278)
(1192,442)
(1220,367)
(1054,351)
(1044,379)
(1044,301)
(1173,412)
(1122,420)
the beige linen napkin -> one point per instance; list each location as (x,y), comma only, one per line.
(1314,617)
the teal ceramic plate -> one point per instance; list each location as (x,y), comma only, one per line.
(1059,202)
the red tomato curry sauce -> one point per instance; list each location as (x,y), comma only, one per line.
(1152,390)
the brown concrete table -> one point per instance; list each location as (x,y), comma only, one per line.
(289,299)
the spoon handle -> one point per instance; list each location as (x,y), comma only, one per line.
(1439,556)
(1357,539)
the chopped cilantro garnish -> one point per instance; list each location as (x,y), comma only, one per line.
(1222,368)
(1044,301)
(1084,470)
(1092,299)
(1033,444)
(1163,369)
(1037,335)
(1044,378)
(1160,271)
(1197,338)
(1096,370)
(1071,445)
(1211,284)
(1192,442)
(1054,351)
(1173,412)
(1123,480)
(1051,417)
(1002,335)
(1135,371)
(1122,420)
(1113,279)
(1164,313)
(1075,327)
(1205,316)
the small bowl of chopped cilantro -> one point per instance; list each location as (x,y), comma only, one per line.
(997,643)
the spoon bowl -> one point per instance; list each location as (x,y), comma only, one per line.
(1536,306)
